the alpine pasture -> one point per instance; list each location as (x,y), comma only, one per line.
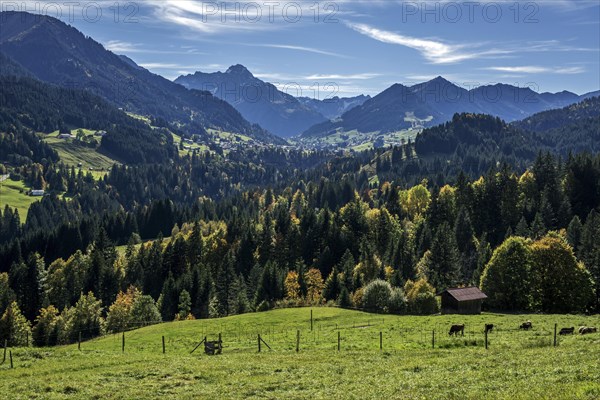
(380,356)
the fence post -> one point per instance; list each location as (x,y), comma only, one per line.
(11,362)
(297,340)
(433,339)
(380,340)
(163,343)
(555,326)
(79,342)
(123,343)
(5,347)
(220,344)
(259,342)
(311,320)
(338,340)
(486,339)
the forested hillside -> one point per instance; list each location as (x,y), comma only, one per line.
(40,107)
(555,119)
(323,241)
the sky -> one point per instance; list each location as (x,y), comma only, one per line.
(346,48)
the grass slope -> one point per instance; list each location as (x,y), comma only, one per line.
(517,365)
(72,154)
(14,194)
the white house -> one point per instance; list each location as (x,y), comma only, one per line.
(100,133)
(37,193)
(65,136)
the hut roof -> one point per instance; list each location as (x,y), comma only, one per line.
(465,294)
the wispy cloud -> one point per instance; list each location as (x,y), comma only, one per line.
(436,52)
(530,69)
(121,47)
(365,76)
(301,48)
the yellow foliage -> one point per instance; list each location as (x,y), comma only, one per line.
(413,289)
(314,285)
(292,286)
(416,200)
(389,272)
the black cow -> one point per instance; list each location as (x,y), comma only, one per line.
(527,325)
(455,329)
(488,328)
(567,331)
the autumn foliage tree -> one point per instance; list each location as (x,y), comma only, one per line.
(561,283)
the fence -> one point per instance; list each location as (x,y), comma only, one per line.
(365,333)
(354,335)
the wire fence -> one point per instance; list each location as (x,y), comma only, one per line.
(357,335)
(362,334)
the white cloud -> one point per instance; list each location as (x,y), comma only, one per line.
(539,70)
(318,77)
(301,48)
(121,47)
(117,46)
(436,52)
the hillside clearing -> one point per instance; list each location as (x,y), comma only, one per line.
(73,154)
(518,364)
(14,193)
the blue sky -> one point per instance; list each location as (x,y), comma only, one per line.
(355,47)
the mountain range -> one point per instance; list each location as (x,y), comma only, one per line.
(431,103)
(57,53)
(334,107)
(258,101)
(46,49)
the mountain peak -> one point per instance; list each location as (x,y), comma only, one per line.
(439,80)
(239,69)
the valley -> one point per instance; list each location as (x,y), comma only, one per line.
(428,231)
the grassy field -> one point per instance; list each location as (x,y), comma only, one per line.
(191,146)
(517,365)
(72,154)
(14,194)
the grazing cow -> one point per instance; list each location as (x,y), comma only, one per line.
(455,329)
(527,325)
(567,331)
(488,328)
(584,330)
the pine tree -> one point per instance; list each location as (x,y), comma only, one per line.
(538,227)
(332,288)
(522,229)
(170,299)
(574,232)
(445,262)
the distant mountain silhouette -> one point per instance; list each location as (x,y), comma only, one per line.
(258,101)
(431,103)
(334,107)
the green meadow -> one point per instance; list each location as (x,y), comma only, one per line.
(73,154)
(517,364)
(14,193)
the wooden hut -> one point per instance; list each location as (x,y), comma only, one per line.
(462,300)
